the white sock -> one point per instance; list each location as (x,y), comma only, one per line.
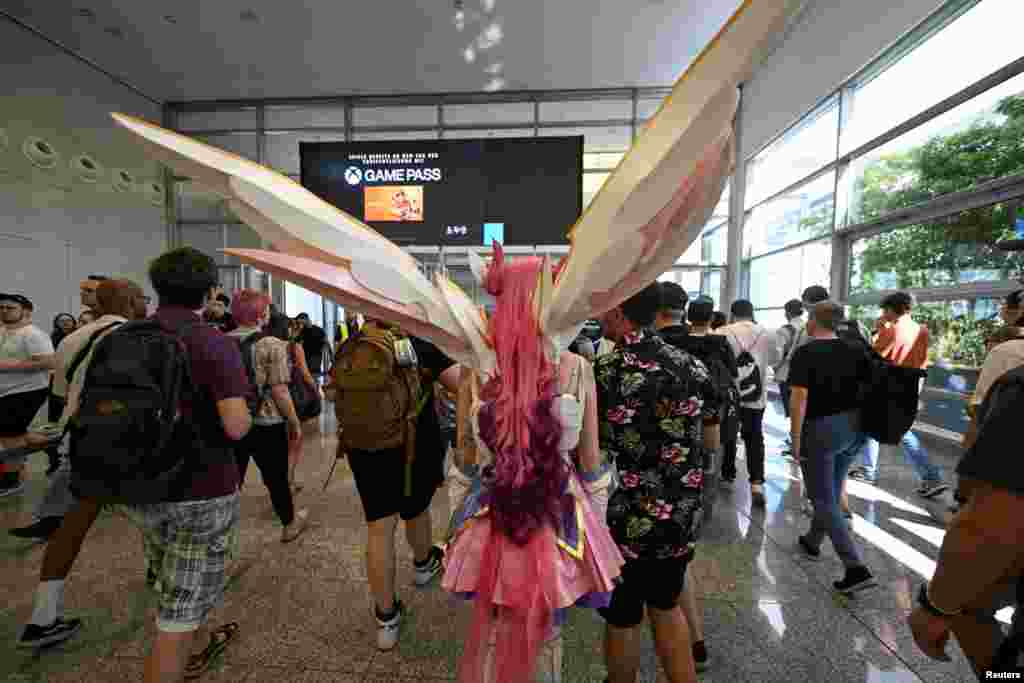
(49,603)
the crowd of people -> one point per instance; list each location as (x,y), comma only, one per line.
(615,450)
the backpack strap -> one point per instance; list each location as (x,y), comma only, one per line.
(83,352)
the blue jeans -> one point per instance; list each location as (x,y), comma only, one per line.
(828,446)
(912,451)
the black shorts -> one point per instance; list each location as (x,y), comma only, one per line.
(18,410)
(652,583)
(380,479)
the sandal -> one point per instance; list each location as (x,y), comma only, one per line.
(219,639)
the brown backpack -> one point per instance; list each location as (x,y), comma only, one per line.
(377,400)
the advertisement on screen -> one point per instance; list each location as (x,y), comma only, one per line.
(453,192)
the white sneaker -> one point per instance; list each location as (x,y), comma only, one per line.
(757,494)
(432,568)
(388,630)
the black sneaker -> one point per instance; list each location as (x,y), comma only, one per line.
(700,655)
(35,636)
(11,485)
(430,568)
(856,579)
(810,551)
(41,530)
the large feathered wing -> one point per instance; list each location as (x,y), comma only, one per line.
(657,201)
(319,246)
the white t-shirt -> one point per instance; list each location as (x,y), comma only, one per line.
(1007,356)
(761,343)
(22,344)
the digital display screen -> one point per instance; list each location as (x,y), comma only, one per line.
(517,191)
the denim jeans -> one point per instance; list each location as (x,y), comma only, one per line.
(752,431)
(912,451)
(828,446)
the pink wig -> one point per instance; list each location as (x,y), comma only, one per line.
(248,307)
(517,422)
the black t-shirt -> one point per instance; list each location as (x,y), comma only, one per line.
(831,371)
(313,340)
(993,458)
(432,363)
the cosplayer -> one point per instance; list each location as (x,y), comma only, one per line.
(527,535)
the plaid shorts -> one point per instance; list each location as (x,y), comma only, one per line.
(188,547)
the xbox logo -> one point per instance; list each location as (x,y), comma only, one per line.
(353,175)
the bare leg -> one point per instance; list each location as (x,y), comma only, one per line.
(166,663)
(622,653)
(844,500)
(672,643)
(694,617)
(419,531)
(380,562)
(63,548)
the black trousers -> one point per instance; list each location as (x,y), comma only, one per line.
(752,431)
(268,446)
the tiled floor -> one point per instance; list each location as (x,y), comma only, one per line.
(304,612)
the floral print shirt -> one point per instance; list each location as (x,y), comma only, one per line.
(653,402)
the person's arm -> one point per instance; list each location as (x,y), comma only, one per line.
(797,412)
(589,453)
(450,379)
(273,356)
(234,417)
(300,362)
(465,452)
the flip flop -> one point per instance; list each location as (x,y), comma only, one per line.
(219,639)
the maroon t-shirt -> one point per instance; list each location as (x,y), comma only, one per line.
(217,374)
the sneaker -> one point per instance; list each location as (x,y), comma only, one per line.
(430,568)
(848,514)
(295,529)
(807,507)
(757,494)
(862,475)
(700,655)
(388,627)
(810,551)
(35,636)
(41,530)
(930,489)
(727,481)
(856,579)
(11,487)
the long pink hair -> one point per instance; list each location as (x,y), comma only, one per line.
(516,421)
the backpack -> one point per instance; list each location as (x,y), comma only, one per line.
(748,381)
(128,441)
(377,400)
(889,396)
(851,332)
(719,361)
(307,400)
(257,393)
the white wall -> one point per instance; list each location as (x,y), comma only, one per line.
(831,42)
(68,226)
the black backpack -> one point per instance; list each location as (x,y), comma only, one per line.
(128,441)
(257,394)
(889,396)
(717,355)
(749,382)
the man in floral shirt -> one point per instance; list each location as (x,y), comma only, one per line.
(659,414)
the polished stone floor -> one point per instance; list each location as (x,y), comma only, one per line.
(304,613)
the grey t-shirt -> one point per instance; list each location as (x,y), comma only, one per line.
(22,344)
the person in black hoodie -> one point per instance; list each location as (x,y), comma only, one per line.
(714,351)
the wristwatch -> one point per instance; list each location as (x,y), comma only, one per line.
(924,601)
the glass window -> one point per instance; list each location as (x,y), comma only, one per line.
(774,280)
(592,182)
(394,116)
(802,214)
(804,149)
(221,119)
(597,139)
(711,285)
(714,243)
(305,117)
(395,135)
(586,110)
(944,252)
(975,142)
(497,113)
(603,161)
(910,85)
(495,133)
(243,144)
(298,300)
(772,318)
(646,107)
(282,149)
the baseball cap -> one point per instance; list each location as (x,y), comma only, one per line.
(701,309)
(19,299)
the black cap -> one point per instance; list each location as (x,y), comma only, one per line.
(673,297)
(701,309)
(19,299)
(815,294)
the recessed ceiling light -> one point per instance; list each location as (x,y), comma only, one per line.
(86,13)
(249,15)
(114,32)
(170,19)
